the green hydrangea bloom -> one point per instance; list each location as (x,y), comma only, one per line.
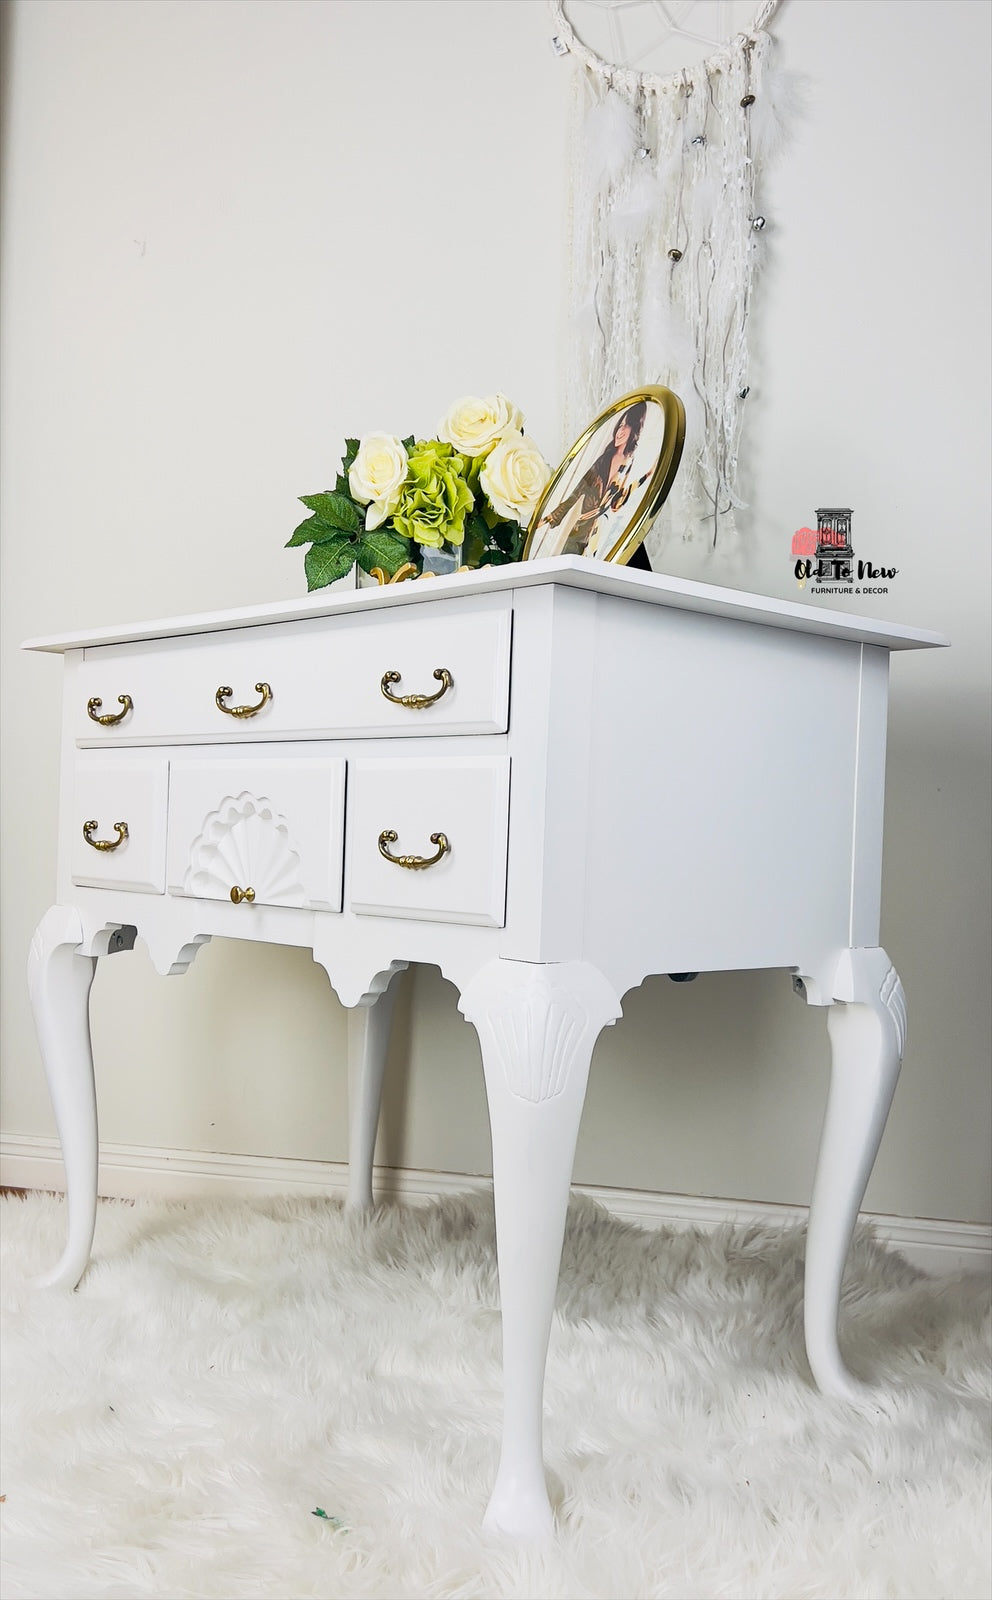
(435,497)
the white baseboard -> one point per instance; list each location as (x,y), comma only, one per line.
(133,1171)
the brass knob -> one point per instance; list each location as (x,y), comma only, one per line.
(416,702)
(415,863)
(89,828)
(109,718)
(242,711)
(237,895)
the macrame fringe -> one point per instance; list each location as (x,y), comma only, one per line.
(667,229)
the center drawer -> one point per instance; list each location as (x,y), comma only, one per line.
(435,671)
(258,832)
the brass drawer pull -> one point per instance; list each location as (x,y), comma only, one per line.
(237,895)
(415,863)
(89,828)
(109,718)
(242,711)
(416,702)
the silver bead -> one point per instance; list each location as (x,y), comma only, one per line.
(675,255)
(643,152)
(700,139)
(757,223)
(742,394)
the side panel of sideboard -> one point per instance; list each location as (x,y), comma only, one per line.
(725,793)
(869,797)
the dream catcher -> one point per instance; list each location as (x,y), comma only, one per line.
(667,224)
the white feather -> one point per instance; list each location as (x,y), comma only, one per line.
(781,99)
(630,216)
(610,137)
(669,348)
(702,203)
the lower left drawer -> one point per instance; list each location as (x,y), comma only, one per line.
(120,809)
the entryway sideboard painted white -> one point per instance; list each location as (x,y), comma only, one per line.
(550,780)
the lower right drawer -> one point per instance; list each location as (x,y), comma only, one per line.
(427,838)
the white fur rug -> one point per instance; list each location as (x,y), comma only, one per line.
(225,1369)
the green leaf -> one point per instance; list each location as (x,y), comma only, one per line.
(316,531)
(384,549)
(342,486)
(309,531)
(325,562)
(476,540)
(508,539)
(325,534)
(338,510)
(304,534)
(408,444)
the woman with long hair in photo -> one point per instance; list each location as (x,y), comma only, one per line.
(577,525)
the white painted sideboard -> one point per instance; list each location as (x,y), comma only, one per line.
(550,780)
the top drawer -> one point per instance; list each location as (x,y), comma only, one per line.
(435,669)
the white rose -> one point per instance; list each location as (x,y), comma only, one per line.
(473,426)
(514,477)
(376,475)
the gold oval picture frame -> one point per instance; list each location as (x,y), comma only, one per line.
(615,479)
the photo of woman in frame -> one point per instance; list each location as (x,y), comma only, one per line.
(614,480)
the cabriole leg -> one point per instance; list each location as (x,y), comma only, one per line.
(59,985)
(537,1026)
(369,1025)
(867,1028)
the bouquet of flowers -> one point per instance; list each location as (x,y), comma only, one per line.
(462,499)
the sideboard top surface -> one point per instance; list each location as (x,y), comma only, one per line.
(577,572)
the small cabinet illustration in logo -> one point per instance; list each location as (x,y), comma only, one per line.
(826,557)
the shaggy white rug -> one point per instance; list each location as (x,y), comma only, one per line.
(226,1369)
